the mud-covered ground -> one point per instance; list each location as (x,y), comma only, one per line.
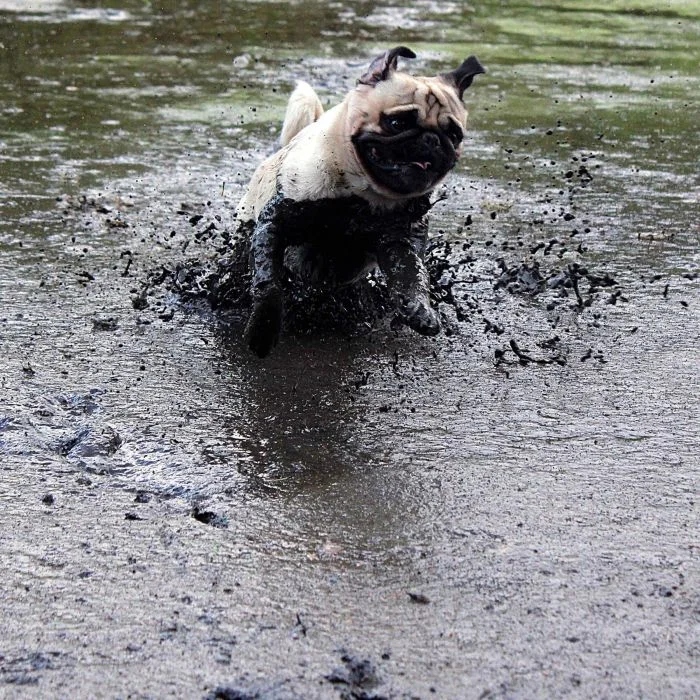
(509,510)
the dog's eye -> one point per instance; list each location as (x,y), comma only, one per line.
(396,123)
(454,133)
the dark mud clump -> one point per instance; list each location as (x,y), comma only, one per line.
(357,679)
(208,517)
(226,693)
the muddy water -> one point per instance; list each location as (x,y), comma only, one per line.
(363,514)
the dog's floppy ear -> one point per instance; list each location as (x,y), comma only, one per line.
(463,76)
(384,65)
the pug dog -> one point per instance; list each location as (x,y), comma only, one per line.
(350,188)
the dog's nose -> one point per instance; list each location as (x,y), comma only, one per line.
(431,139)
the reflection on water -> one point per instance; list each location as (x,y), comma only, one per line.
(300,407)
(304,436)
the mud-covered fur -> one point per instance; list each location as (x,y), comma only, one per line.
(349,189)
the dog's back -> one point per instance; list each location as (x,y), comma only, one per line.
(303,108)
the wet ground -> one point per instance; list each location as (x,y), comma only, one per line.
(508,510)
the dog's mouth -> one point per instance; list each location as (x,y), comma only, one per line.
(379,160)
(408,164)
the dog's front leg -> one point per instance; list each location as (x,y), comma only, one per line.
(267,246)
(400,256)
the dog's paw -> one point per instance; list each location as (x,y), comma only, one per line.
(263,329)
(421,317)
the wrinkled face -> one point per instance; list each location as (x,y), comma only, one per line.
(407,133)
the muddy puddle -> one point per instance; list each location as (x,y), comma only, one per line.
(507,510)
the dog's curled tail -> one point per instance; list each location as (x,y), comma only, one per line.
(303,108)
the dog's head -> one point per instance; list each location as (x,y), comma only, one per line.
(406,130)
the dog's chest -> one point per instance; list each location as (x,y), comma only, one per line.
(350,220)
(326,219)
